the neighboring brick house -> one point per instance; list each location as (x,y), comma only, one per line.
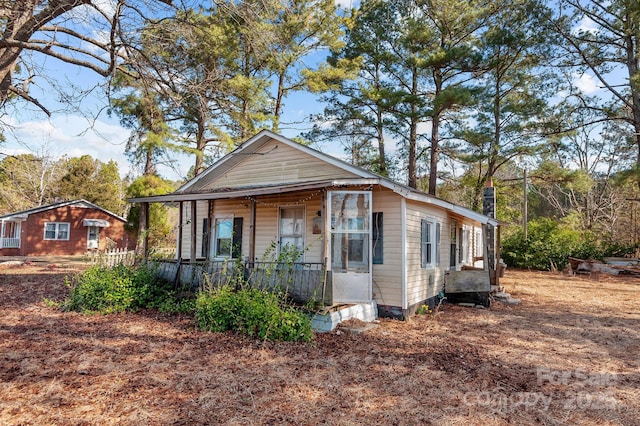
(64,228)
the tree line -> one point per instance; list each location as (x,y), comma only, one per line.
(443,95)
(30,180)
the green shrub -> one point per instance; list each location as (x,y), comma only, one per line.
(549,244)
(122,288)
(253,312)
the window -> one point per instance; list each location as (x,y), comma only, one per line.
(228,238)
(429,243)
(56,231)
(292,230)
(465,238)
(224,234)
(377,238)
(479,249)
(454,244)
(350,231)
(426,244)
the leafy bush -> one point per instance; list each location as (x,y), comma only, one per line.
(253,312)
(122,288)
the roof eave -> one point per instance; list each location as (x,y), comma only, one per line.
(248,192)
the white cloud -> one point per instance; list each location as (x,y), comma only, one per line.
(72,136)
(348,4)
(586,84)
(586,25)
(75,136)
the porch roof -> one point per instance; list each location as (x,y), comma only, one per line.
(402,190)
(14,218)
(100,223)
(249,191)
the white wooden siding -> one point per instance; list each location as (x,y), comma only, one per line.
(267,211)
(387,277)
(424,283)
(202,212)
(186,230)
(271,165)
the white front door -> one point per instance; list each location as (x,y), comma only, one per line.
(92,237)
(350,245)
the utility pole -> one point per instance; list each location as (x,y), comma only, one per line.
(525,214)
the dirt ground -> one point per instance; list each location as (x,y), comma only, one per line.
(568,354)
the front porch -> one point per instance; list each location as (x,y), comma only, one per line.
(10,234)
(304,282)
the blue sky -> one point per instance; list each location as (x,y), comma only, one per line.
(89,129)
(77,133)
(105,139)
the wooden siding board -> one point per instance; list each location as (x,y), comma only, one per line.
(387,277)
(424,283)
(267,216)
(186,230)
(271,165)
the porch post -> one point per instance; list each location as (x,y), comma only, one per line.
(142,245)
(194,229)
(2,235)
(179,242)
(498,256)
(252,233)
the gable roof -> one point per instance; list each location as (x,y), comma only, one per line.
(24,214)
(252,149)
(195,189)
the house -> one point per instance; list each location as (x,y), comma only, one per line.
(63,228)
(371,240)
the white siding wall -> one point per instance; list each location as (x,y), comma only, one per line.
(276,166)
(186,230)
(202,210)
(267,215)
(424,283)
(387,277)
(267,211)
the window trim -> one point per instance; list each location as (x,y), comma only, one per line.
(216,240)
(235,248)
(57,226)
(427,240)
(431,246)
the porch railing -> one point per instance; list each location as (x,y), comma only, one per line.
(302,281)
(10,242)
